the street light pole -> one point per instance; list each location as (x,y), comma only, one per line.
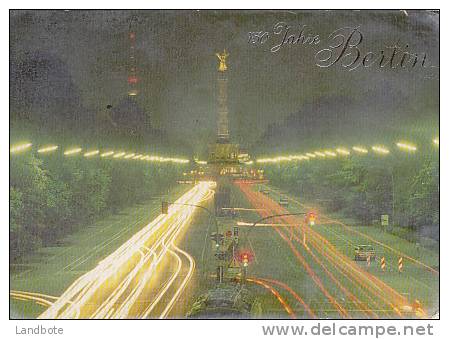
(273,216)
(392,196)
(263,219)
(220,271)
(199,206)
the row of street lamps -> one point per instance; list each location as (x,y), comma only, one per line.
(378,149)
(23,147)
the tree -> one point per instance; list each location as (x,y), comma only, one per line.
(424,199)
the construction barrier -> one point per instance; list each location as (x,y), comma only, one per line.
(400,264)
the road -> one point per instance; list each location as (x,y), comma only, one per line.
(329,282)
(143,278)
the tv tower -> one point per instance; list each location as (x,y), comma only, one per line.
(132,73)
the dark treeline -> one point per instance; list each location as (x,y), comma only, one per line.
(404,186)
(52,195)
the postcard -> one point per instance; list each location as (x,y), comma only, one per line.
(224,164)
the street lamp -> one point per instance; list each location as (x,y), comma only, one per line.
(106,154)
(360,149)
(47,149)
(91,153)
(19,148)
(164,209)
(380,149)
(270,217)
(406,146)
(73,151)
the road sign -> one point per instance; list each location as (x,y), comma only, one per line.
(233,271)
(234,263)
(236,234)
(384,219)
(236,231)
(217,237)
(220,255)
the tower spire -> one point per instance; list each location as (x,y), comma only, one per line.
(222,80)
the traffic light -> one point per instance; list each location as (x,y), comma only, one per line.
(311,217)
(245,257)
(164,207)
(217,237)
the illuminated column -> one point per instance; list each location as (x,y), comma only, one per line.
(132,77)
(222,80)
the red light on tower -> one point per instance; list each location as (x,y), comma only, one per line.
(132,79)
(132,75)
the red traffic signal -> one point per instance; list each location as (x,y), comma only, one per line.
(310,218)
(245,257)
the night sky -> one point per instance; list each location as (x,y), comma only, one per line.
(277,101)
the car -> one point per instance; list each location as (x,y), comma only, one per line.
(362,252)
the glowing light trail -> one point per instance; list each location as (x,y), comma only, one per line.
(40,298)
(117,286)
(379,296)
(273,291)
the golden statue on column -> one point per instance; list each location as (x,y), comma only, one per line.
(222,57)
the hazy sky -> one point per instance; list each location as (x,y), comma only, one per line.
(176,63)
